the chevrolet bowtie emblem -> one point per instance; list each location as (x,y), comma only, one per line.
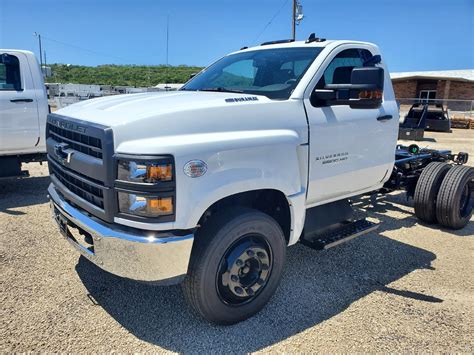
(62,153)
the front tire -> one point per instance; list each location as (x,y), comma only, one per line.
(236,265)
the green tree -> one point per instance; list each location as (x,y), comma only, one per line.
(126,75)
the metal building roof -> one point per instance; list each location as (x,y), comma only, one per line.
(457,75)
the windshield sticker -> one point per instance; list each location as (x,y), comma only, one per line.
(241,99)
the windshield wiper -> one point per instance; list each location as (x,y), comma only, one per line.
(221,89)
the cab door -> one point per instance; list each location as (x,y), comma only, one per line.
(351,150)
(19,126)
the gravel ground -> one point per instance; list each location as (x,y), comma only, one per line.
(406,287)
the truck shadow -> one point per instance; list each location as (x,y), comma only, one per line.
(379,205)
(316,286)
(22,192)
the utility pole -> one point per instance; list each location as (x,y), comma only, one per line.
(45,73)
(167,45)
(293,21)
(296,18)
(167,36)
(40,50)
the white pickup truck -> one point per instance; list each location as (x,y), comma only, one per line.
(23,111)
(257,152)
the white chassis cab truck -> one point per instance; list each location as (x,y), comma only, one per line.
(23,111)
(261,150)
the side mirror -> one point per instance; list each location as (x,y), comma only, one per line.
(192,75)
(364,91)
(371,95)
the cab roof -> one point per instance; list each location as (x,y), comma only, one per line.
(294,44)
(17,51)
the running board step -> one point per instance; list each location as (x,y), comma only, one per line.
(344,233)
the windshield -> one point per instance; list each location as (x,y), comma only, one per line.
(270,72)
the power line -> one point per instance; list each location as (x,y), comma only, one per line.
(85,49)
(271,20)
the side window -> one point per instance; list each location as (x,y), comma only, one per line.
(340,68)
(9,72)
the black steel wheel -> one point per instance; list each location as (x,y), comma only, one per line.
(244,270)
(455,202)
(236,265)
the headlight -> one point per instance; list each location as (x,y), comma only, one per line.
(146,187)
(145,205)
(145,172)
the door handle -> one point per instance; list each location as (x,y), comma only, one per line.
(384,118)
(21,100)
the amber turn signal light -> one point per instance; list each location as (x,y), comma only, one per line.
(163,205)
(370,94)
(156,173)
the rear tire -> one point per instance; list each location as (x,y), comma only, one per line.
(236,265)
(456,197)
(426,190)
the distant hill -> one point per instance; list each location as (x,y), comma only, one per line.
(127,75)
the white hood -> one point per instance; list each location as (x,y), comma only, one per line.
(119,110)
(179,115)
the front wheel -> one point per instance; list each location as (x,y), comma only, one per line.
(235,266)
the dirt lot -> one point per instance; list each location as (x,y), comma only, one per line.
(406,287)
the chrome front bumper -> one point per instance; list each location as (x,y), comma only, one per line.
(126,252)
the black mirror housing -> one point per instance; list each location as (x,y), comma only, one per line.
(373,79)
(372,76)
(364,91)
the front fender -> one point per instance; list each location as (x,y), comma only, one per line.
(236,161)
(259,160)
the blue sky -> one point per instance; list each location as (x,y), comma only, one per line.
(413,34)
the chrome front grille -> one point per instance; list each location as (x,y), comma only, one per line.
(80,156)
(80,142)
(78,185)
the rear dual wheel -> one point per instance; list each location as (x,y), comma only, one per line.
(444,195)
(426,190)
(455,199)
(236,265)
